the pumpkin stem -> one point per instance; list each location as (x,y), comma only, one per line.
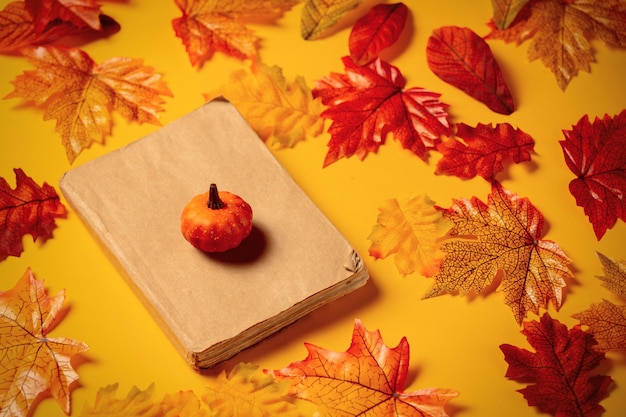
(214,203)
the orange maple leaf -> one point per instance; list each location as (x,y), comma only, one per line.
(80,94)
(411,229)
(367,379)
(502,238)
(319,16)
(32,362)
(220,26)
(273,107)
(561,32)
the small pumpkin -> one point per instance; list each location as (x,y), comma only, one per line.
(216,221)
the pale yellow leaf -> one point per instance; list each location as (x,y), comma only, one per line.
(318,16)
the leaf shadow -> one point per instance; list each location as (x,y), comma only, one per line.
(322,317)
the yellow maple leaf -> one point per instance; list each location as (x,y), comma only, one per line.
(137,403)
(32,362)
(272,106)
(607,323)
(80,94)
(410,228)
(502,238)
(561,33)
(219,25)
(318,16)
(184,404)
(614,278)
(247,391)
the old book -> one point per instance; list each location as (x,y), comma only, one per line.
(212,305)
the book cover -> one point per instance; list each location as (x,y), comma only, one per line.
(212,305)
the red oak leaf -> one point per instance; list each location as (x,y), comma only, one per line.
(27,209)
(596,154)
(562,369)
(367,379)
(80,13)
(463,59)
(378,29)
(483,150)
(367,102)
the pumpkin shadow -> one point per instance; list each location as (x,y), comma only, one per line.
(248,251)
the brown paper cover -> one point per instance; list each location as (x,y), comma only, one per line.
(212,306)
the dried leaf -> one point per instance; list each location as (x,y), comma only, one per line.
(561,32)
(502,238)
(79,13)
(505,11)
(27,209)
(483,150)
(184,404)
(607,323)
(378,29)
(136,404)
(595,153)
(273,107)
(463,59)
(367,379)
(246,391)
(31,361)
(614,274)
(206,27)
(367,102)
(411,229)
(318,16)
(562,370)
(80,94)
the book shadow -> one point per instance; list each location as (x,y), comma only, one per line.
(251,249)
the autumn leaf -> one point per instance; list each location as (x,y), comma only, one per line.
(607,323)
(367,379)
(501,239)
(562,371)
(26,209)
(367,102)
(137,403)
(31,361)
(272,106)
(206,27)
(17,28)
(614,278)
(483,150)
(595,153)
(409,228)
(247,391)
(561,33)
(319,16)
(80,13)
(184,404)
(80,94)
(505,11)
(375,31)
(463,59)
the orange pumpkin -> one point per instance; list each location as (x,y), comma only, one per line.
(216,221)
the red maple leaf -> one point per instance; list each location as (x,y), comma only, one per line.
(367,102)
(596,154)
(483,150)
(562,368)
(378,29)
(367,379)
(81,13)
(27,209)
(463,59)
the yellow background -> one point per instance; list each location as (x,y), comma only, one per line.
(454,340)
